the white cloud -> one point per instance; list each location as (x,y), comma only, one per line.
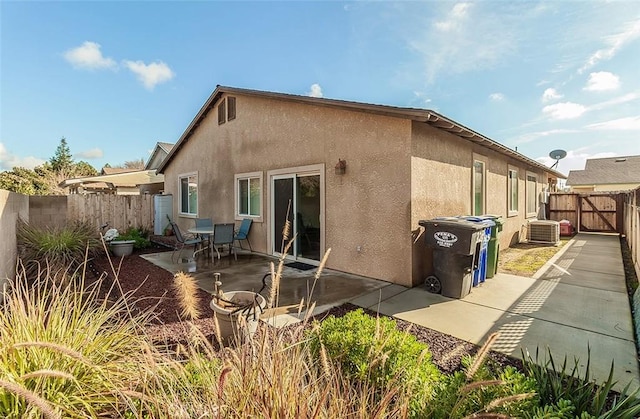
(465,38)
(455,19)
(531,136)
(316,91)
(629,97)
(8,161)
(497,97)
(88,56)
(564,110)
(551,94)
(150,74)
(614,44)
(602,81)
(631,123)
(94,153)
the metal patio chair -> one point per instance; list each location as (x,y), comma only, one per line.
(243,233)
(184,241)
(223,234)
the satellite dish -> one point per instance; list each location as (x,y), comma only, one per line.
(557,155)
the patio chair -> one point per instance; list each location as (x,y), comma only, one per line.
(223,235)
(243,233)
(206,223)
(184,241)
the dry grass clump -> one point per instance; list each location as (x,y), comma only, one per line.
(186,289)
(64,352)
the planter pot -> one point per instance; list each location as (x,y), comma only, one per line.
(122,247)
(238,326)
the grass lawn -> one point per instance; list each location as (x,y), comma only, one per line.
(524,259)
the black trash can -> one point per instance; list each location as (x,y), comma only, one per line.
(456,247)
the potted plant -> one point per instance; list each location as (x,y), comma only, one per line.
(122,247)
(168,230)
(123,244)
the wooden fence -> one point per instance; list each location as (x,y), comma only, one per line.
(120,211)
(632,225)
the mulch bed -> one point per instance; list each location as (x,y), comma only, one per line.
(151,287)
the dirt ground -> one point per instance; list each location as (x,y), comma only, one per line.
(524,259)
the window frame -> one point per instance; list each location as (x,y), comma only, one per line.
(531,196)
(222,111)
(513,210)
(482,160)
(259,178)
(181,213)
(231,108)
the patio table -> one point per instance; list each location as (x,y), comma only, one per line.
(203,230)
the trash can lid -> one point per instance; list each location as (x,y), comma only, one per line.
(496,218)
(454,222)
(488,222)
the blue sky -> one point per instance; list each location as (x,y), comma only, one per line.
(116,77)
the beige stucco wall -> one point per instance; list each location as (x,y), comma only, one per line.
(441,185)
(398,172)
(12,207)
(368,206)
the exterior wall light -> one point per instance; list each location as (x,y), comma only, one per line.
(341,167)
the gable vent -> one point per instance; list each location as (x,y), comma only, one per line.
(543,231)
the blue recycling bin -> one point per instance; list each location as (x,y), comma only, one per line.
(480,273)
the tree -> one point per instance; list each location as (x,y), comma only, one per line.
(62,159)
(45,179)
(134,164)
(131,164)
(82,169)
(24,181)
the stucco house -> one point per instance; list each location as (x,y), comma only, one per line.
(355,177)
(606,174)
(157,156)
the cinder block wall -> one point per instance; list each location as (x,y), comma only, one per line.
(48,211)
(12,207)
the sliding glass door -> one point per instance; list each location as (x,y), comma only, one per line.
(296,198)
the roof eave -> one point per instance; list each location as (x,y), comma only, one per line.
(420,115)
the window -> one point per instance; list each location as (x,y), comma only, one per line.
(512,187)
(249,195)
(231,108)
(532,194)
(478,187)
(222,112)
(189,194)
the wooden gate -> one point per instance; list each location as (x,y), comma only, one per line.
(593,211)
(600,212)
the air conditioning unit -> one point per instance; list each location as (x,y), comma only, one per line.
(543,231)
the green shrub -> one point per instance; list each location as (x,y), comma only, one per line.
(561,382)
(507,392)
(60,250)
(140,236)
(373,350)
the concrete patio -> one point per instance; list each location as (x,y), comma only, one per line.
(575,304)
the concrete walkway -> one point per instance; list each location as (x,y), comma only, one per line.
(576,303)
